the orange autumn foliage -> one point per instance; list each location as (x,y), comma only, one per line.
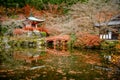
(116,60)
(27,10)
(29,28)
(117,47)
(18,31)
(34,28)
(88,40)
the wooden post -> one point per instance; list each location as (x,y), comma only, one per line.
(63,45)
(36,25)
(54,44)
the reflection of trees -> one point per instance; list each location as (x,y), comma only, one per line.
(111,66)
(6,58)
(28,55)
(116,61)
(14,58)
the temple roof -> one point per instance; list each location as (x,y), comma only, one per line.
(35,19)
(112,22)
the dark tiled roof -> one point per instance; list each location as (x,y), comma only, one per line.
(112,22)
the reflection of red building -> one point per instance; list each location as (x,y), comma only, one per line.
(28,58)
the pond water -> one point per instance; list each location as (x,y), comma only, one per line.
(50,64)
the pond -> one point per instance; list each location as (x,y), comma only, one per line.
(50,64)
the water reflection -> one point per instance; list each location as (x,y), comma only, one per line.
(15,57)
(110,64)
(27,56)
(5,41)
(48,64)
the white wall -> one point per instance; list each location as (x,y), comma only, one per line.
(106,36)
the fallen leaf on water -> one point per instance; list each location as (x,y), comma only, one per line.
(64,78)
(44,72)
(3,71)
(72,79)
(44,75)
(60,71)
(72,72)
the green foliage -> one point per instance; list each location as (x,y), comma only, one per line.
(73,37)
(0,29)
(72,41)
(43,34)
(65,10)
(13,16)
(39,4)
(12,3)
(11,6)
(108,44)
(3,30)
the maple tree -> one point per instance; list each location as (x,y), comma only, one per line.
(87,40)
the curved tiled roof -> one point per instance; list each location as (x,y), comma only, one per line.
(35,19)
(112,22)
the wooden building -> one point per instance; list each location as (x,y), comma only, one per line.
(111,29)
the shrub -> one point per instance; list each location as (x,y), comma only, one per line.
(72,40)
(117,46)
(87,40)
(107,44)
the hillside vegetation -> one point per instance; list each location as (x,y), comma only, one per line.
(61,16)
(82,16)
